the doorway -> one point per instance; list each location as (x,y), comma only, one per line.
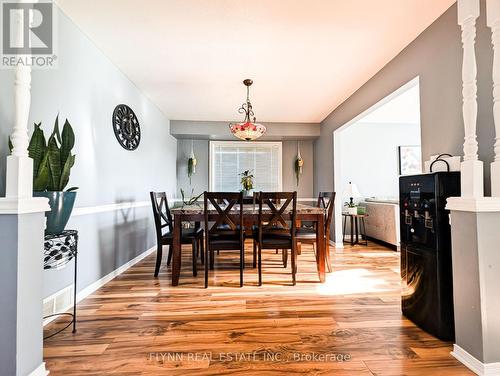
(376,147)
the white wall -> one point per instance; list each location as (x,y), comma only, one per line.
(369,156)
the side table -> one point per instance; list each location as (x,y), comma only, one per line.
(59,250)
(357,227)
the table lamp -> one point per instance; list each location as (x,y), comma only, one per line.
(352,192)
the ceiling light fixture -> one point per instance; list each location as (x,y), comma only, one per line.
(248,130)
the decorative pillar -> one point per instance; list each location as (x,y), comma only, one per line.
(19,182)
(475,220)
(472,167)
(22,224)
(493,21)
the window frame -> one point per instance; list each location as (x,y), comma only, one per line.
(214,144)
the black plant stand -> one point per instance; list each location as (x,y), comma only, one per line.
(59,250)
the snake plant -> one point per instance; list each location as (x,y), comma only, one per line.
(52,159)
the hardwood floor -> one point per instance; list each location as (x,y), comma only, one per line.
(350,325)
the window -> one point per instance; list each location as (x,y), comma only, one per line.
(228,159)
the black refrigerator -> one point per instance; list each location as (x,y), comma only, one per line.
(426,269)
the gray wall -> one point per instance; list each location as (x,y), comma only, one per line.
(21,298)
(436,57)
(467,297)
(85,89)
(199,181)
(476,297)
(8,297)
(219,130)
(29,293)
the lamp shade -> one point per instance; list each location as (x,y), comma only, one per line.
(352,191)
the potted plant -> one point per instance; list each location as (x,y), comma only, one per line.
(352,207)
(361,210)
(299,165)
(191,163)
(247,182)
(52,163)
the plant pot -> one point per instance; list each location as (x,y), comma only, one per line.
(247,193)
(352,211)
(361,210)
(61,206)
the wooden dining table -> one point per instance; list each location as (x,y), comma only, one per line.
(195,213)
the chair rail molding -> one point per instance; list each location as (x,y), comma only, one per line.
(493,21)
(472,168)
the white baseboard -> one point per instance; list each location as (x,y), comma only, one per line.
(97,284)
(475,365)
(40,371)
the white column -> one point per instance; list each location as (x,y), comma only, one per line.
(19,180)
(493,21)
(472,167)
(22,223)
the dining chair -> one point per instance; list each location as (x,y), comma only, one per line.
(165,232)
(307,234)
(254,200)
(274,230)
(225,231)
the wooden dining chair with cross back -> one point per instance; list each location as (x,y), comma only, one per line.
(276,226)
(224,227)
(307,234)
(165,234)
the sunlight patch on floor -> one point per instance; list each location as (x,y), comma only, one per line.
(352,281)
(396,270)
(377,254)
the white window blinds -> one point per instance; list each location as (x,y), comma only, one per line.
(228,159)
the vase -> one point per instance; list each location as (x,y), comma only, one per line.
(352,211)
(247,192)
(61,205)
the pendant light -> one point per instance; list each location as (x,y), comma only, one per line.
(248,130)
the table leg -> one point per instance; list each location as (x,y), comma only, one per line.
(176,251)
(364,231)
(320,241)
(357,230)
(343,232)
(352,230)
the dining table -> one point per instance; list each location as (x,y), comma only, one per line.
(196,213)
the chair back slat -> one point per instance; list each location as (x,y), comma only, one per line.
(326,200)
(161,212)
(224,203)
(277,220)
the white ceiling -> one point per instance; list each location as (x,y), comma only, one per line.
(305,56)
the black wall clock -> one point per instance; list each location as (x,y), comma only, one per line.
(126,127)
